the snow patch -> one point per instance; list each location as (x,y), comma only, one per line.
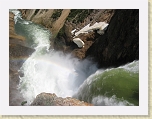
(79,42)
(101,27)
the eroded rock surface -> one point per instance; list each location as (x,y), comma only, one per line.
(48,99)
(64,39)
(119,44)
(18,53)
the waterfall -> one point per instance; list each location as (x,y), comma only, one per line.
(50,71)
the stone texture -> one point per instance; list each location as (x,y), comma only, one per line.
(17,55)
(65,36)
(48,99)
(120,43)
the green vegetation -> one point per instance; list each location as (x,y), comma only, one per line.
(78,15)
(56,13)
(23,103)
(75,16)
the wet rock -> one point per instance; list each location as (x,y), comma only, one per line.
(49,18)
(62,22)
(17,55)
(48,99)
(15,98)
(88,40)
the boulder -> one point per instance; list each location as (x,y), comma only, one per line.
(48,99)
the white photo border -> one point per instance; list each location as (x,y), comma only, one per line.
(142,109)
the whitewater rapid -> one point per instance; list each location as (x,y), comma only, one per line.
(47,70)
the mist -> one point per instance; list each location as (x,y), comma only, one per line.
(53,72)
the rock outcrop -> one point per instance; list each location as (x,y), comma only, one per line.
(48,99)
(65,36)
(62,22)
(18,53)
(49,18)
(120,44)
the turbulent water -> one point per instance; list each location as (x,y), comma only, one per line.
(55,72)
(114,86)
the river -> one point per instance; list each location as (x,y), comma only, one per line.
(50,71)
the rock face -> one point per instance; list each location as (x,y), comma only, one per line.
(50,18)
(120,44)
(48,99)
(62,22)
(64,39)
(18,53)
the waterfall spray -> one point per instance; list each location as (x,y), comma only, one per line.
(48,71)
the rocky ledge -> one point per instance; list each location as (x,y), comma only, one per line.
(48,99)
(119,44)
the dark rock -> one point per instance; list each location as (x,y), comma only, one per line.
(48,99)
(17,55)
(64,41)
(15,98)
(120,44)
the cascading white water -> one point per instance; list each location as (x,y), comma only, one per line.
(48,71)
(112,86)
(55,72)
(52,73)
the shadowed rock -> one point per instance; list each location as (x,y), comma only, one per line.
(120,43)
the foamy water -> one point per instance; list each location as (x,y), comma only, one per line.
(55,72)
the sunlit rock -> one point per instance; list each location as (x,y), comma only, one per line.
(48,99)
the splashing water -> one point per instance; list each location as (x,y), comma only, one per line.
(113,86)
(109,101)
(55,72)
(48,71)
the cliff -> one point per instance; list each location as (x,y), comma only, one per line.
(118,45)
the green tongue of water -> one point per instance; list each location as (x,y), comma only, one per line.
(122,83)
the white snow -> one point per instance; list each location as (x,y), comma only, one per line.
(79,42)
(101,26)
